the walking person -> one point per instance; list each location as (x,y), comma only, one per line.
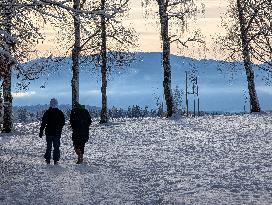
(80,121)
(52,121)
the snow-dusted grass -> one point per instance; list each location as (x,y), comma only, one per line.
(205,160)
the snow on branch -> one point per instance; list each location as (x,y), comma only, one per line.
(8,37)
(90,13)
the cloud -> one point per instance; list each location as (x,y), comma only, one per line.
(91,93)
(117,93)
(264,89)
(211,90)
(23,94)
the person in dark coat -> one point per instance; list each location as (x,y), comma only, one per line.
(52,121)
(80,121)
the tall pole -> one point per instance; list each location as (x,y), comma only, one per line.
(194,99)
(198,112)
(197,95)
(194,108)
(186,93)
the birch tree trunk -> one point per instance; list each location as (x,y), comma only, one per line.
(166,58)
(75,54)
(254,102)
(7,121)
(103,114)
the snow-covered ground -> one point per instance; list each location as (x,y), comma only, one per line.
(205,160)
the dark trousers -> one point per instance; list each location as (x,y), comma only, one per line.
(79,145)
(55,140)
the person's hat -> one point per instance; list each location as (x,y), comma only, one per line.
(78,105)
(53,103)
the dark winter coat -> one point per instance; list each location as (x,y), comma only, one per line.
(80,121)
(53,121)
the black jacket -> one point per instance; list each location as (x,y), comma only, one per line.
(80,121)
(53,121)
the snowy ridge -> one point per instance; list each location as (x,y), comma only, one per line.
(205,160)
(222,86)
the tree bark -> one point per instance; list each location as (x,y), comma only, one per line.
(7,121)
(254,102)
(166,58)
(75,55)
(103,114)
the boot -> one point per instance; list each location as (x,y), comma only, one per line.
(47,161)
(77,151)
(80,157)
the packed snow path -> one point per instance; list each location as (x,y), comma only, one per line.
(206,160)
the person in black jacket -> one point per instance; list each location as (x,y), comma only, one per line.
(80,121)
(52,121)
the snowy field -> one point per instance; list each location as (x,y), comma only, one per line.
(206,160)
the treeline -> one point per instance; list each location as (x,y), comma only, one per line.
(34,113)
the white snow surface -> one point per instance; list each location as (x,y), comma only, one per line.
(204,160)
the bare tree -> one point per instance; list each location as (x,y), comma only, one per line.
(18,35)
(169,11)
(20,21)
(76,53)
(249,39)
(94,23)
(74,12)
(108,42)
(6,59)
(117,51)
(103,115)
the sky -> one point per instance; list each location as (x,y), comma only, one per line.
(148,29)
(209,25)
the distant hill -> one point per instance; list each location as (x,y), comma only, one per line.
(222,86)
